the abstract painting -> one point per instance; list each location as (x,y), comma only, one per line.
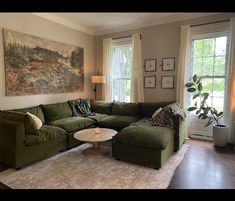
(35,65)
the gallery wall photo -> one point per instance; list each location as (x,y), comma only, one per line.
(35,65)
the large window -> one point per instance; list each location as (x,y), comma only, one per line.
(121,70)
(209,60)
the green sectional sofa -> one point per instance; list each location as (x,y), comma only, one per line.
(21,144)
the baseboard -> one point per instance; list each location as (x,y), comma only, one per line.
(202,137)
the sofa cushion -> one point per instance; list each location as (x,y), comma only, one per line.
(145,136)
(73,124)
(19,117)
(36,110)
(117,122)
(147,109)
(101,107)
(56,111)
(122,108)
(98,117)
(45,133)
(37,123)
(143,120)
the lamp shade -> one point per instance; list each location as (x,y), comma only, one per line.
(98,79)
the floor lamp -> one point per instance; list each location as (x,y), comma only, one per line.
(97,79)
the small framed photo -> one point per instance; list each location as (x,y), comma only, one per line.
(150,81)
(150,65)
(167,82)
(168,64)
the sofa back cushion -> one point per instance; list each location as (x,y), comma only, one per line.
(101,107)
(127,109)
(147,109)
(36,110)
(19,117)
(56,111)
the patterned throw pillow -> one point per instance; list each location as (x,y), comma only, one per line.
(163,118)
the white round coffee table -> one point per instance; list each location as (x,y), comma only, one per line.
(90,135)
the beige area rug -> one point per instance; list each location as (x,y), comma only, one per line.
(79,169)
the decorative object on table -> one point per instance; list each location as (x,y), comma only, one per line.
(206,112)
(150,81)
(167,82)
(150,65)
(168,64)
(97,130)
(97,79)
(35,65)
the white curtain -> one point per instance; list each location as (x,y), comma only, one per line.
(184,55)
(230,112)
(137,89)
(107,69)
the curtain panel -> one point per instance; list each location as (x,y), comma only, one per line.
(137,88)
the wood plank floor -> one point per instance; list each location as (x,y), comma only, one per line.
(203,167)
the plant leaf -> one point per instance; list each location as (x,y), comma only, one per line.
(195,78)
(198,111)
(199,80)
(192,89)
(189,84)
(220,114)
(191,109)
(208,123)
(199,86)
(205,95)
(195,104)
(196,95)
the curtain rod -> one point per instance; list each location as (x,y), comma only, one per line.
(209,23)
(124,37)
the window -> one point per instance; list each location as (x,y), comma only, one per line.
(209,60)
(121,69)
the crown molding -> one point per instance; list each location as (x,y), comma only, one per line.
(65,22)
(146,22)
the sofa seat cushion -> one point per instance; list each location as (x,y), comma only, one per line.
(45,133)
(73,124)
(117,122)
(143,120)
(145,136)
(98,117)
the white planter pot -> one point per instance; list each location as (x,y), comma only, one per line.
(220,135)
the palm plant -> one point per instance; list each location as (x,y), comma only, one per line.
(203,110)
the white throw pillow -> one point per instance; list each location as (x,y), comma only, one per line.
(36,121)
(156,112)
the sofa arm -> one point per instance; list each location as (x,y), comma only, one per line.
(181,131)
(12,134)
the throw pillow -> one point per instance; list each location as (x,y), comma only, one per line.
(162,119)
(156,112)
(36,122)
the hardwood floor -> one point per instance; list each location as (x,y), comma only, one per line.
(204,167)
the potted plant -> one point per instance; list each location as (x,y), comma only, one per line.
(203,111)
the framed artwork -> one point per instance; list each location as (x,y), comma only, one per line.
(167,82)
(150,81)
(150,65)
(168,64)
(35,65)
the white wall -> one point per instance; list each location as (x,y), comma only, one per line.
(37,26)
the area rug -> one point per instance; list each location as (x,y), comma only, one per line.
(78,169)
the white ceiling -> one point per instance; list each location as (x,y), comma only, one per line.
(102,23)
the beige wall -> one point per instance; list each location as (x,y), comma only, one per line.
(37,26)
(158,42)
